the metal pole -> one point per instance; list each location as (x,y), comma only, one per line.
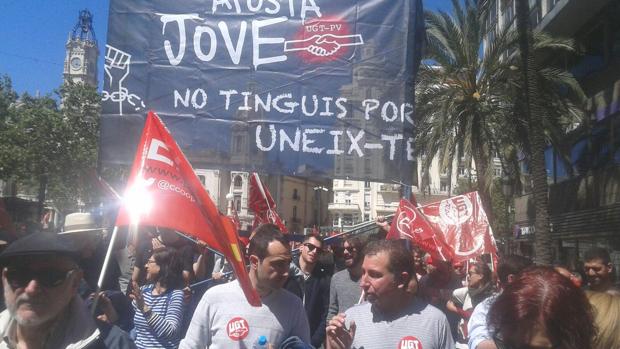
(104,268)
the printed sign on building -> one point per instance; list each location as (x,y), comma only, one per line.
(299,87)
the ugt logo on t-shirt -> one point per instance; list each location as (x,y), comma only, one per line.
(409,342)
(237,328)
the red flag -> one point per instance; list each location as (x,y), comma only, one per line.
(164,191)
(234,217)
(409,223)
(263,205)
(464,224)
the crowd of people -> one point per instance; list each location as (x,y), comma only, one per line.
(358,293)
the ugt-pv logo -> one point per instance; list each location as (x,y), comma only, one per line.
(237,328)
(409,342)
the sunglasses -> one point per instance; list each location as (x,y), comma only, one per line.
(350,249)
(311,247)
(19,278)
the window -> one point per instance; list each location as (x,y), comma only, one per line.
(237,201)
(497,172)
(366,217)
(444,185)
(203,180)
(509,12)
(294,212)
(295,194)
(366,184)
(238,182)
(347,219)
(347,201)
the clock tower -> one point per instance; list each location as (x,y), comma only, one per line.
(82,52)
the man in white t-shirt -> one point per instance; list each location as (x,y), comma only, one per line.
(224,318)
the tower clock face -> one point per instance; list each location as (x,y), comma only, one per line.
(76,63)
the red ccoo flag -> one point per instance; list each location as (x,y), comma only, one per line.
(409,223)
(163,191)
(262,204)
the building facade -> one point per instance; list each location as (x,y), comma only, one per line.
(584,195)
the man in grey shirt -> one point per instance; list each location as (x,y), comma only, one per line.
(224,319)
(393,316)
(344,290)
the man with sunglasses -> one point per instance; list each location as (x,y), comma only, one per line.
(310,280)
(40,277)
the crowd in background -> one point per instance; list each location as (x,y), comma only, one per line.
(162,290)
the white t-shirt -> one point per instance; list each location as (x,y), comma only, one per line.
(225,319)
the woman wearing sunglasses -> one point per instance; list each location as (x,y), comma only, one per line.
(542,309)
(159,304)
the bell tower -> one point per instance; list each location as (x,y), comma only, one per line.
(82,52)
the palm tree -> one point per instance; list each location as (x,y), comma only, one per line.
(467,97)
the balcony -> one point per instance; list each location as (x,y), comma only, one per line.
(386,208)
(389,188)
(340,206)
(567,16)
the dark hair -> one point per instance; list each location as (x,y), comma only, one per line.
(317,237)
(262,236)
(483,269)
(542,297)
(511,265)
(400,258)
(356,243)
(170,268)
(597,253)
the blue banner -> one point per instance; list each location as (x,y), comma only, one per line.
(298,87)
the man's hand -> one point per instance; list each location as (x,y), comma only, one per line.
(382,222)
(338,335)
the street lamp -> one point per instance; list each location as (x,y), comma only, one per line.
(230,197)
(319,189)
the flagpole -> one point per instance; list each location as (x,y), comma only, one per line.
(196,242)
(104,268)
(262,190)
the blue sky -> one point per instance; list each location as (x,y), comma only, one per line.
(33,34)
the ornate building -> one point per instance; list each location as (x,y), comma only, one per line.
(82,52)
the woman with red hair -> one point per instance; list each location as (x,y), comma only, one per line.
(542,309)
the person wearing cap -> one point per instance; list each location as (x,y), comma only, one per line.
(40,275)
(81,229)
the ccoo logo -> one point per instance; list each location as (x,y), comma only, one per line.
(409,342)
(237,328)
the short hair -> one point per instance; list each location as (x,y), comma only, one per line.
(542,297)
(400,258)
(511,265)
(607,318)
(170,268)
(317,237)
(597,253)
(262,237)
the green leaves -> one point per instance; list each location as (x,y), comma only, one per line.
(40,139)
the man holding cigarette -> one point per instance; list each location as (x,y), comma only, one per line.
(393,316)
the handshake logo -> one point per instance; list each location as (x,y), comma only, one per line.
(324,45)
